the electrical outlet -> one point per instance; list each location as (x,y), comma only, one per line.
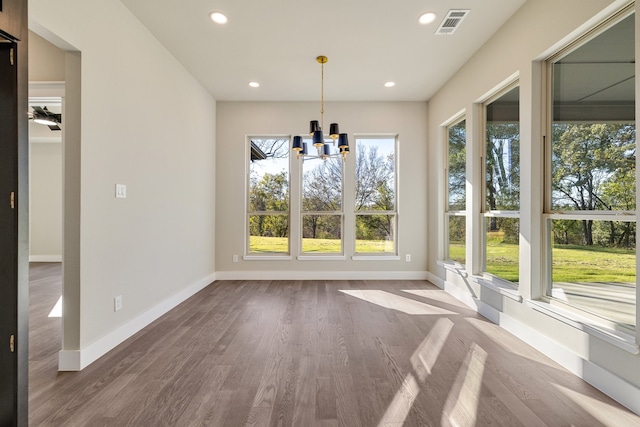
(117,303)
(407,257)
(235,258)
(121,191)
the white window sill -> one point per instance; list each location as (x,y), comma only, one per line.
(321,258)
(620,339)
(490,282)
(267,258)
(454,267)
(500,286)
(380,257)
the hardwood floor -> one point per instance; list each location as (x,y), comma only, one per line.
(309,353)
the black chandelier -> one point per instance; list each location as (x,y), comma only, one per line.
(315,130)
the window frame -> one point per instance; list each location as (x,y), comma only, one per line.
(302,213)
(249,213)
(550,214)
(393,212)
(487,213)
(448,212)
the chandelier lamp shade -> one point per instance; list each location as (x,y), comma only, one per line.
(317,134)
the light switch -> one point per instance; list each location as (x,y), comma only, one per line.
(121,191)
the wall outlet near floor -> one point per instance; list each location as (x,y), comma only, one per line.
(121,191)
(117,303)
(407,257)
(235,258)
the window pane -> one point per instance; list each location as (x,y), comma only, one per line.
(375,233)
(322,185)
(322,233)
(457,239)
(594,166)
(593,140)
(503,153)
(269,233)
(599,277)
(269,175)
(375,174)
(502,248)
(457,166)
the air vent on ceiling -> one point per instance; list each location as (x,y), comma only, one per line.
(451,22)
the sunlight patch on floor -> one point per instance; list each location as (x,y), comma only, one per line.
(427,353)
(56,311)
(397,302)
(399,408)
(461,407)
(422,361)
(435,294)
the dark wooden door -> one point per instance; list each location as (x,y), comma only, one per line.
(14,214)
(8,232)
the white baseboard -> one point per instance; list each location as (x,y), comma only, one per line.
(45,258)
(322,275)
(605,381)
(77,360)
(435,280)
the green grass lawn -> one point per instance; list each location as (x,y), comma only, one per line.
(570,263)
(259,244)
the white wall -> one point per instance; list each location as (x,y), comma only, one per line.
(45,206)
(236,120)
(145,122)
(538,29)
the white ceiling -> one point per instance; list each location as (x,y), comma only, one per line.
(276,42)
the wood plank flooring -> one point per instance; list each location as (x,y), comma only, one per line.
(309,353)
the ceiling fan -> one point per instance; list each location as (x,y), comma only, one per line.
(45,117)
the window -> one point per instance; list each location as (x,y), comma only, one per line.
(456,173)
(590,205)
(375,195)
(268,207)
(322,218)
(502,186)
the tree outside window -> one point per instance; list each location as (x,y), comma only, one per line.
(591,205)
(375,195)
(268,207)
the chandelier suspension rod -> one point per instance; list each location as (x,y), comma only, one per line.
(322,60)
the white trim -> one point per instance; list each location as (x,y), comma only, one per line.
(380,257)
(592,215)
(47,89)
(69,360)
(500,286)
(454,267)
(322,275)
(45,139)
(321,257)
(620,339)
(435,280)
(605,381)
(267,258)
(45,258)
(77,360)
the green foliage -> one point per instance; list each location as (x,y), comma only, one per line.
(457,166)
(593,168)
(322,185)
(503,166)
(269,194)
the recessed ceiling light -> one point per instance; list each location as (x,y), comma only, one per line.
(254,84)
(427,18)
(218,17)
(389,84)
